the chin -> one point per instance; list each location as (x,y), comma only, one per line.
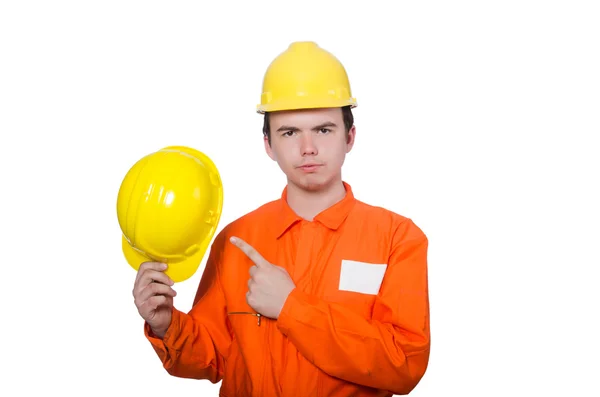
(311,183)
(313,186)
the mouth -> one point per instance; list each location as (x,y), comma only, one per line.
(309,167)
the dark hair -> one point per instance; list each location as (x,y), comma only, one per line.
(346,114)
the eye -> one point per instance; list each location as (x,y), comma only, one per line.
(288,133)
(324,130)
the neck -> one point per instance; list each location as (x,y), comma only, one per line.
(308,204)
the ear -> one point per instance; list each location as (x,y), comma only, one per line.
(350,139)
(268,149)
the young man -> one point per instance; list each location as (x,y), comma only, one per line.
(313,294)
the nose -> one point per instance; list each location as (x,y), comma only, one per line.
(307,145)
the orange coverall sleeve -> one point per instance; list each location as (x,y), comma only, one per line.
(192,345)
(389,351)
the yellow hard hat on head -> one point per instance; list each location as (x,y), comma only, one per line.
(305,76)
(169,205)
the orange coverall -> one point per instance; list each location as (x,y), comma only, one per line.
(357,323)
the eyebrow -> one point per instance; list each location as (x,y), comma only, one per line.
(316,128)
(287,128)
(324,125)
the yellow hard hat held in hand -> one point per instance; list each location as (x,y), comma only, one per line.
(305,76)
(169,206)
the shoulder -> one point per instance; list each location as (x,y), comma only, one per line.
(401,226)
(252,222)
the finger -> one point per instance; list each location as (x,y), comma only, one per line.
(253,270)
(144,267)
(283,269)
(150,276)
(153,289)
(157,266)
(251,285)
(152,304)
(249,251)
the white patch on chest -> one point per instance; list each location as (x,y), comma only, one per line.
(361,277)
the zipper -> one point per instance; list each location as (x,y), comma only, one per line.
(258,315)
(284,365)
(260,386)
(319,384)
(266,357)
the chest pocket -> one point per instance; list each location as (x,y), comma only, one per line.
(355,285)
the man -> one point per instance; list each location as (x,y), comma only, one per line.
(313,294)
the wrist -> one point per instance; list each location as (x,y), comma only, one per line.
(285,300)
(158,333)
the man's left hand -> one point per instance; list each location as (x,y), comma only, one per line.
(268,286)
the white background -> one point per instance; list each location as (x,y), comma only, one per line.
(478,120)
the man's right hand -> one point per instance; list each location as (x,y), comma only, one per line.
(153,296)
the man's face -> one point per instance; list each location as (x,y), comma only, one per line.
(309,145)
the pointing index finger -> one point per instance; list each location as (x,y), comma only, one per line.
(249,251)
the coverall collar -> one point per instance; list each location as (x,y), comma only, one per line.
(331,217)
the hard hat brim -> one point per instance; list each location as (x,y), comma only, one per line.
(299,104)
(178,271)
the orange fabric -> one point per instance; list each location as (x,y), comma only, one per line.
(327,341)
